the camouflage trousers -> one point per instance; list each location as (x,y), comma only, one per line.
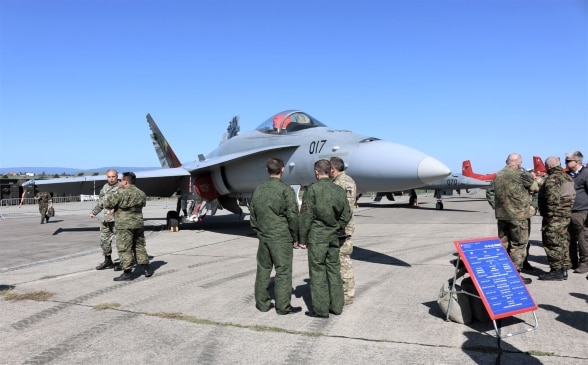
(107,234)
(129,240)
(345,252)
(556,241)
(514,235)
(326,286)
(43,207)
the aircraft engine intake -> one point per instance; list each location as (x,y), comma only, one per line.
(204,187)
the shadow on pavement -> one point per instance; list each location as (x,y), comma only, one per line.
(374,257)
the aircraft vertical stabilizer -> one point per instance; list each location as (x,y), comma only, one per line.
(165,153)
(232,130)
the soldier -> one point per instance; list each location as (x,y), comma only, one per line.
(44,199)
(509,196)
(107,225)
(556,198)
(128,205)
(579,224)
(274,217)
(346,182)
(323,216)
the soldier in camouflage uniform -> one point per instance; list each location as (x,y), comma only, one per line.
(509,196)
(556,198)
(274,217)
(107,226)
(128,205)
(346,182)
(43,198)
(323,216)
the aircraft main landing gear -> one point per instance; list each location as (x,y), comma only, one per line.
(439,205)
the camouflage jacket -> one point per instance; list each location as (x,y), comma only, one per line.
(557,194)
(128,207)
(106,192)
(324,212)
(348,184)
(274,212)
(509,194)
(44,197)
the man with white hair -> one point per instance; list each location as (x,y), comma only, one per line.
(579,224)
(509,196)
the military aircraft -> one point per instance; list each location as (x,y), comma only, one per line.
(466,170)
(230,173)
(443,187)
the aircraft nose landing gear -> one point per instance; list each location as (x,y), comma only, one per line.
(439,205)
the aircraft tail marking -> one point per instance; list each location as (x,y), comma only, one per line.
(538,166)
(165,153)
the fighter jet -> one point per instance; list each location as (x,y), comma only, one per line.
(231,172)
(443,187)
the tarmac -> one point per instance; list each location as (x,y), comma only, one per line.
(199,308)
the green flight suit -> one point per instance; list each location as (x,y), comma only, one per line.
(324,214)
(274,217)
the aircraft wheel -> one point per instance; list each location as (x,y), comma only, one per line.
(439,206)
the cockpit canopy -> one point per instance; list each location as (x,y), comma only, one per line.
(288,121)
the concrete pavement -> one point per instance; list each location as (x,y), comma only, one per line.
(198,307)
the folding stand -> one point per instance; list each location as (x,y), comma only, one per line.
(498,283)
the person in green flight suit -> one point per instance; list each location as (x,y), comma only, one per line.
(274,217)
(324,214)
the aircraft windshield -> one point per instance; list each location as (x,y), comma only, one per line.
(289,121)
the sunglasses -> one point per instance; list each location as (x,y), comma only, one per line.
(568,161)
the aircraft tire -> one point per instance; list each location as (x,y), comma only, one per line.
(439,206)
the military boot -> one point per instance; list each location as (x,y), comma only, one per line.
(553,275)
(107,264)
(147,270)
(127,275)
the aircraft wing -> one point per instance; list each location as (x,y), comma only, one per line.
(159,182)
(213,162)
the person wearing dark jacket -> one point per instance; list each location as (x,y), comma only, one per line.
(579,224)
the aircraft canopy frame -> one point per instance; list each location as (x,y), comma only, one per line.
(288,121)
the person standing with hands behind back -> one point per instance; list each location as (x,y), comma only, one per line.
(323,216)
(274,217)
(128,205)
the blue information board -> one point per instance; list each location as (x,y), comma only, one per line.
(497,280)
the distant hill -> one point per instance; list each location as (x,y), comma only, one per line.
(68,171)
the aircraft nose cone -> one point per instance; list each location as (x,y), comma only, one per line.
(431,170)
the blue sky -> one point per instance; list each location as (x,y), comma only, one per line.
(457,79)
